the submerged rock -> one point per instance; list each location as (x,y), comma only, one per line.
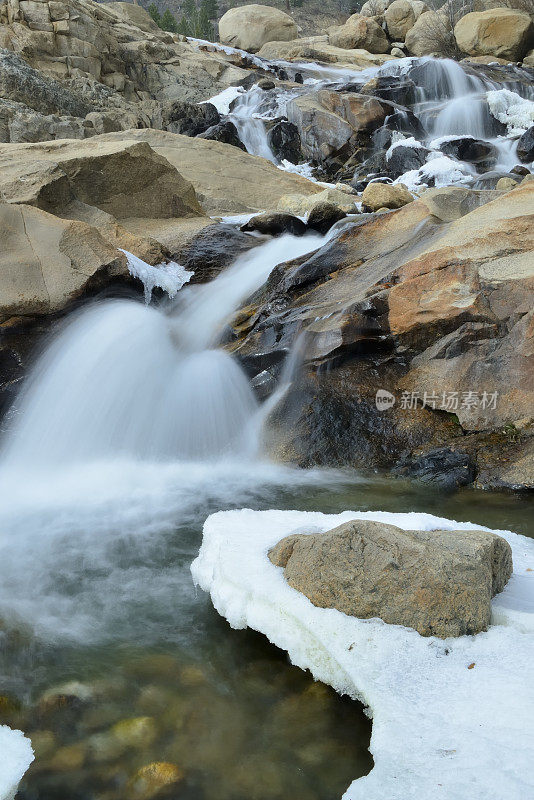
(150,779)
(275,224)
(438,582)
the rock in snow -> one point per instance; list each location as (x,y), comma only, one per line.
(16,755)
(450,718)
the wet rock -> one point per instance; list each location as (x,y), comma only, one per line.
(525,145)
(385,195)
(68,758)
(323,216)
(68,695)
(402,158)
(438,582)
(214,249)
(225,132)
(469,149)
(189,119)
(284,141)
(275,224)
(519,169)
(44,744)
(266,84)
(137,732)
(152,778)
(302,204)
(443,467)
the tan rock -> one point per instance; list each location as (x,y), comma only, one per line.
(384,195)
(400,17)
(438,582)
(452,202)
(501,32)
(428,32)
(250,27)
(506,184)
(360,32)
(302,205)
(150,779)
(528,60)
(317,48)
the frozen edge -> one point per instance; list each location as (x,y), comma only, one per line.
(439,729)
(16,755)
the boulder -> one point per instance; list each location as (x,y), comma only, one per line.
(500,32)
(303,205)
(385,195)
(190,119)
(467,148)
(225,132)
(452,202)
(275,224)
(505,184)
(323,216)
(400,18)
(284,141)
(438,582)
(360,32)
(329,122)
(213,249)
(429,35)
(318,48)
(448,469)
(528,60)
(250,27)
(525,146)
(46,262)
(374,8)
(404,157)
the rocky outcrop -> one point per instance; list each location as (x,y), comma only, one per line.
(502,32)
(438,314)
(360,32)
(318,48)
(438,582)
(250,27)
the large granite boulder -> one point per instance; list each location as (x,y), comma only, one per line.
(500,32)
(438,582)
(360,32)
(250,27)
(385,195)
(318,48)
(429,35)
(400,17)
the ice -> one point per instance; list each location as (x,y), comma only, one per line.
(512,110)
(398,139)
(224,99)
(16,755)
(438,171)
(441,727)
(306,169)
(169,277)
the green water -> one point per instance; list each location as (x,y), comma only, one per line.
(101,595)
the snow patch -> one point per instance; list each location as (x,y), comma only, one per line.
(169,277)
(398,140)
(441,727)
(16,755)
(512,110)
(224,99)
(306,169)
(438,171)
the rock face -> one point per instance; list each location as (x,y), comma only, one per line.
(501,32)
(438,582)
(421,308)
(318,48)
(360,32)
(525,146)
(250,27)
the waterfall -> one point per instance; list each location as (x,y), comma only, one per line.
(122,379)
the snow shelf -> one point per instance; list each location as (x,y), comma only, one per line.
(451,718)
(16,755)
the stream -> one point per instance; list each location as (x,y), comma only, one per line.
(132,428)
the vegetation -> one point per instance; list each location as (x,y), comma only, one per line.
(197,19)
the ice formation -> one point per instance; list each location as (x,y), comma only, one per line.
(514,111)
(169,277)
(16,755)
(452,719)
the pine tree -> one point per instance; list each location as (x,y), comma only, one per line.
(212,8)
(168,22)
(189,9)
(184,28)
(154,13)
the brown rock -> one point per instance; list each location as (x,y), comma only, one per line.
(250,27)
(438,582)
(384,195)
(360,32)
(501,32)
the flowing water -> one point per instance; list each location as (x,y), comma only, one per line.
(131,429)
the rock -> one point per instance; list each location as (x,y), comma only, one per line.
(443,467)
(189,119)
(360,32)
(68,758)
(404,157)
(152,778)
(501,32)
(528,60)
(225,132)
(284,141)
(400,17)
(467,148)
(397,52)
(438,582)
(452,202)
(213,249)
(506,184)
(318,48)
(138,732)
(374,8)
(266,84)
(304,204)
(46,262)
(519,169)
(385,195)
(323,216)
(428,35)
(525,145)
(329,122)
(275,224)
(250,27)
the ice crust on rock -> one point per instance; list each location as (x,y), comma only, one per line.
(452,719)
(512,110)
(16,755)
(169,277)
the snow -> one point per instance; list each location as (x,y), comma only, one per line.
(441,727)
(306,169)
(16,755)
(398,140)
(169,277)
(512,110)
(224,99)
(440,169)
